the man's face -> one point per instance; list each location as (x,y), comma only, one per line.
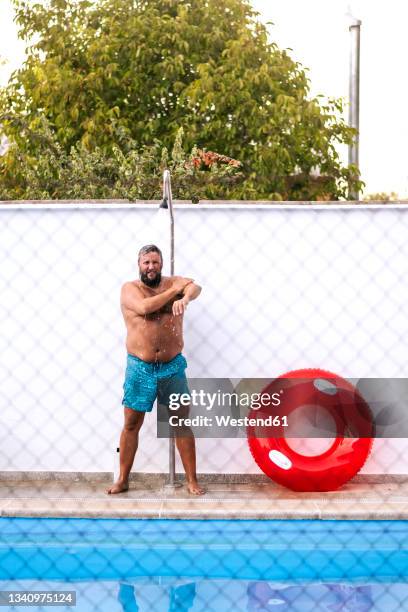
(150,266)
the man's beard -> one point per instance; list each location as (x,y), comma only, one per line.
(150,282)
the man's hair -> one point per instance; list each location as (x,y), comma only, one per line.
(149,248)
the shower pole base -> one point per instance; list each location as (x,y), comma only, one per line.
(173,486)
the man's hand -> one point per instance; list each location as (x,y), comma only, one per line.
(179,306)
(180,283)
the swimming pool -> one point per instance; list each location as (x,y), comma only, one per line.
(129,565)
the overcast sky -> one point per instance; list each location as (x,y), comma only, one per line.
(317,32)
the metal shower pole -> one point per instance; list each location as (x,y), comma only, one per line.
(168,203)
(354,96)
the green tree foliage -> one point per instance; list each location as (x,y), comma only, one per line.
(124,172)
(101,73)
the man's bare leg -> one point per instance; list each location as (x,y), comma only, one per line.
(186,448)
(128,446)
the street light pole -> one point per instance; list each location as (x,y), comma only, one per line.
(354,97)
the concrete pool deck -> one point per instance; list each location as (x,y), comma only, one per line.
(359,499)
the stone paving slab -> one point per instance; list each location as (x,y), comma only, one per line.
(243,501)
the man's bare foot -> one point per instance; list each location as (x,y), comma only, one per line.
(194,488)
(118,487)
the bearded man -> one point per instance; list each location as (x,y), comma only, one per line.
(153,309)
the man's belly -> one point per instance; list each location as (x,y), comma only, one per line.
(155,340)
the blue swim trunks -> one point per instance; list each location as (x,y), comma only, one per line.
(145,381)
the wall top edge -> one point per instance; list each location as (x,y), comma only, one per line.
(203,204)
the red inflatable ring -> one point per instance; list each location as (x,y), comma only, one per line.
(308,392)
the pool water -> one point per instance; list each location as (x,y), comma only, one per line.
(159,565)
